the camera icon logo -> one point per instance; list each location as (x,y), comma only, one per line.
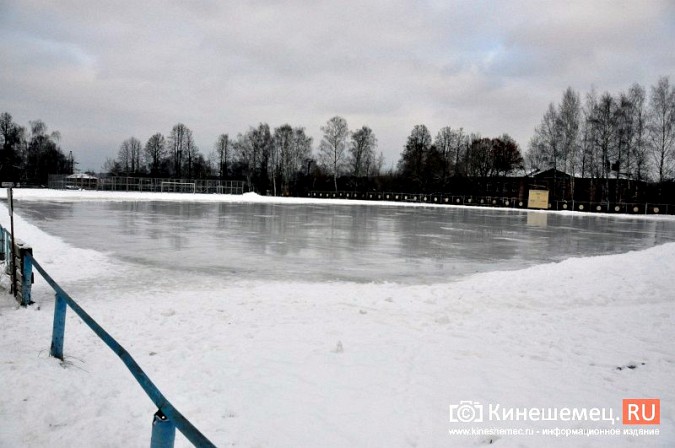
(466,412)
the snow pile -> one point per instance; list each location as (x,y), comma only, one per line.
(291,364)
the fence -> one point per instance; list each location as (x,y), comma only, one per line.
(499,201)
(148,184)
(167,418)
(17,265)
(424,198)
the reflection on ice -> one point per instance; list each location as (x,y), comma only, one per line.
(537,219)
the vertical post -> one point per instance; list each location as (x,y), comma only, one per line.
(3,252)
(10,200)
(59,328)
(163,431)
(26,275)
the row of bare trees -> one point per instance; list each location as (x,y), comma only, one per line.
(353,154)
(434,164)
(176,156)
(629,136)
(30,154)
(269,159)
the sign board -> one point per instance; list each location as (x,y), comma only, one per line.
(7,184)
(538,199)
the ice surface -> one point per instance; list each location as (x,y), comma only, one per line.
(336,242)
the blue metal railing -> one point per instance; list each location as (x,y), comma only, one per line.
(167,418)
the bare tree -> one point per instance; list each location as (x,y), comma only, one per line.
(604,121)
(536,157)
(622,161)
(569,126)
(460,147)
(244,153)
(223,156)
(155,152)
(281,156)
(12,145)
(301,153)
(290,149)
(661,128)
(111,166)
(588,162)
(378,163)
(414,158)
(506,156)
(262,145)
(445,145)
(191,155)
(546,140)
(129,156)
(639,146)
(547,143)
(362,151)
(177,148)
(480,157)
(333,146)
(569,116)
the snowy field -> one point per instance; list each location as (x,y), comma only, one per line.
(336,364)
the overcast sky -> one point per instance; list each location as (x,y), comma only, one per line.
(100,72)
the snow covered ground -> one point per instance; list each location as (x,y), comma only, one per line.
(337,364)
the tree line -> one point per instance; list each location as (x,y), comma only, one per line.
(270,160)
(29,154)
(437,164)
(281,160)
(628,136)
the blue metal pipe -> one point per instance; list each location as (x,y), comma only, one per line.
(59,328)
(184,426)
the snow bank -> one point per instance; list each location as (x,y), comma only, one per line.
(291,364)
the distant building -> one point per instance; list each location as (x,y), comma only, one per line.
(81,181)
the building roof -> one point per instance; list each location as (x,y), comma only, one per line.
(549,174)
(81,176)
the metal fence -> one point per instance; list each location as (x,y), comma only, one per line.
(167,418)
(424,198)
(499,201)
(148,184)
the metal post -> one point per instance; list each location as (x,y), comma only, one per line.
(59,328)
(27,277)
(163,431)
